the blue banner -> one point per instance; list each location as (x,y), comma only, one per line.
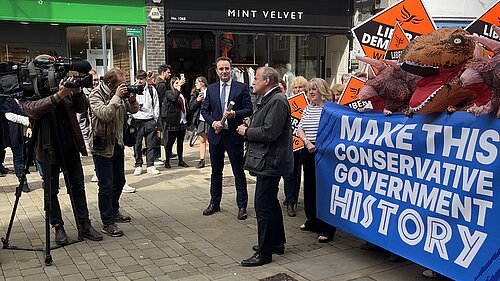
(421,187)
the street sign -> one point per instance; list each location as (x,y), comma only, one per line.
(134,31)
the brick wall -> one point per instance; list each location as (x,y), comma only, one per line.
(155,37)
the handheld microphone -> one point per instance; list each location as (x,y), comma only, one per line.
(229,108)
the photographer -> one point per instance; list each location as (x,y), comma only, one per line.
(145,123)
(110,102)
(65,103)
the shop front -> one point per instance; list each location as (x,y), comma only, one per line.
(295,37)
(105,33)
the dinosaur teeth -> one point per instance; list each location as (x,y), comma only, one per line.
(420,64)
(427,100)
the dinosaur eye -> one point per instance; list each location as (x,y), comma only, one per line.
(457,40)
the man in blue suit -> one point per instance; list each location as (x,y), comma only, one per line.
(223,137)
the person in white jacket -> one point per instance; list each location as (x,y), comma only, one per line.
(16,128)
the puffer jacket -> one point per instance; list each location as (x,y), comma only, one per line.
(109,113)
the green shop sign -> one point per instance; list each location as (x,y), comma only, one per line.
(116,12)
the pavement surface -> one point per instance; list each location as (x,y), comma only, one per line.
(169,238)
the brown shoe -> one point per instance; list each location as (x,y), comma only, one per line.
(291,209)
(212,208)
(242,214)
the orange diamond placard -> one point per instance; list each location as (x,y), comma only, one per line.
(350,95)
(375,33)
(398,42)
(298,104)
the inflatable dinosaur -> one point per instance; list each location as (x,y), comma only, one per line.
(391,89)
(439,57)
(483,76)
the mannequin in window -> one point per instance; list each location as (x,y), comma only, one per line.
(288,78)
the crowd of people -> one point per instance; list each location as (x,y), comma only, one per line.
(256,137)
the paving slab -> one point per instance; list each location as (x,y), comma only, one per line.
(169,238)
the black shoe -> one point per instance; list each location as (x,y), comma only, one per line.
(112,230)
(278,250)
(257,260)
(183,164)
(201,164)
(242,214)
(61,236)
(89,232)
(291,209)
(26,188)
(167,165)
(212,208)
(119,218)
(173,155)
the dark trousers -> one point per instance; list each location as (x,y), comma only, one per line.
(292,182)
(75,176)
(145,129)
(313,222)
(2,153)
(235,153)
(269,218)
(173,136)
(18,159)
(111,175)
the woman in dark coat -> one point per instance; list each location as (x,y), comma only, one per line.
(175,114)
(201,127)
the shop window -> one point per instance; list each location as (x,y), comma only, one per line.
(86,42)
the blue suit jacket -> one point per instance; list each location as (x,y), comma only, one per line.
(212,110)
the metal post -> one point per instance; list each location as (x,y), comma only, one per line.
(318,55)
(104,49)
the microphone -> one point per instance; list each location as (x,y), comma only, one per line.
(229,108)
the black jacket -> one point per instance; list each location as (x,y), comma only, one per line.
(269,150)
(170,110)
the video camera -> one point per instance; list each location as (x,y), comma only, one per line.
(41,76)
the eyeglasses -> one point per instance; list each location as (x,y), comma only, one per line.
(299,87)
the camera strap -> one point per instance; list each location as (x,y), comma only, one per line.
(52,80)
(34,80)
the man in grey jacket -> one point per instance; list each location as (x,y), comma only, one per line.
(269,156)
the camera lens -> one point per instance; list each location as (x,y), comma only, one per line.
(136,89)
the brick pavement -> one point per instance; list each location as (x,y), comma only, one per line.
(169,239)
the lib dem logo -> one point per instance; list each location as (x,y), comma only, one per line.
(408,17)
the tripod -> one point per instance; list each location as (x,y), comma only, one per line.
(44,128)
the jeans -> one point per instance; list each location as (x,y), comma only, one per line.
(145,129)
(111,178)
(75,177)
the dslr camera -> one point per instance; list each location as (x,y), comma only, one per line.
(41,77)
(136,89)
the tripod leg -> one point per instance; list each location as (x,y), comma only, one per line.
(27,161)
(47,174)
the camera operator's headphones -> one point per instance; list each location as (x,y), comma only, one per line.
(37,62)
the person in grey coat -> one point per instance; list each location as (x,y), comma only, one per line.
(269,156)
